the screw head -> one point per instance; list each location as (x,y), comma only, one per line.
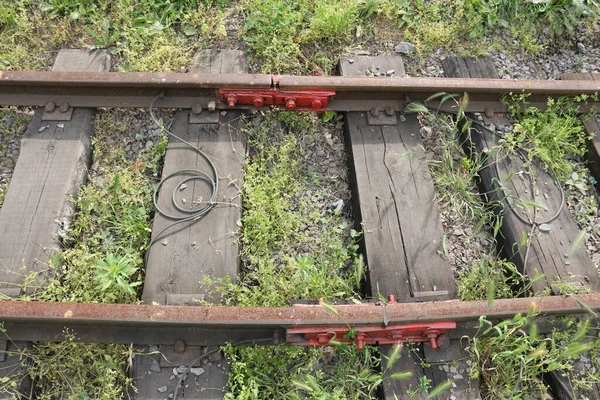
(64,107)
(317,104)
(197,108)
(50,106)
(389,111)
(290,104)
(258,102)
(179,346)
(375,112)
(212,106)
(231,100)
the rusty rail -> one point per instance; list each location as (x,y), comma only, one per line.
(133,89)
(146,324)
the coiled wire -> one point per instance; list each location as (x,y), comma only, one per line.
(190,175)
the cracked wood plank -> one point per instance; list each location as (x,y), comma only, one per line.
(546,254)
(52,165)
(184,254)
(550,253)
(37,210)
(396,209)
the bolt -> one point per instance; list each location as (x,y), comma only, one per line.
(375,112)
(212,106)
(489,112)
(316,104)
(389,111)
(179,346)
(50,106)
(231,100)
(323,339)
(432,340)
(258,102)
(360,341)
(197,108)
(290,104)
(64,107)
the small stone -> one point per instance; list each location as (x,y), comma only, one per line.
(223,113)
(546,196)
(162,389)
(405,48)
(183,200)
(402,118)
(60,126)
(43,128)
(197,371)
(351,61)
(165,242)
(581,47)
(182,187)
(390,72)
(155,366)
(567,262)
(193,244)
(544,228)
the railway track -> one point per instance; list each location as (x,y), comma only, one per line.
(393,197)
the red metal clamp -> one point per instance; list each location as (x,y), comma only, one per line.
(308,100)
(432,333)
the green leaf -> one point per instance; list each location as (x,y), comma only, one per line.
(577,243)
(302,386)
(413,108)
(330,308)
(442,387)
(189,30)
(328,116)
(401,375)
(394,355)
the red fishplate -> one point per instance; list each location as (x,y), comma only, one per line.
(310,100)
(433,333)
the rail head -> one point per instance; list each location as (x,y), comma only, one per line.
(148,324)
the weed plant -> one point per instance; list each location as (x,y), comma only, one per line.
(104,264)
(511,356)
(555,136)
(149,35)
(466,25)
(292,250)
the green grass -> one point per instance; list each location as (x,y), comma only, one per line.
(556,136)
(104,264)
(292,250)
(151,35)
(474,27)
(299,37)
(511,356)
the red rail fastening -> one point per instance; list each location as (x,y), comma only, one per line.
(309,100)
(432,333)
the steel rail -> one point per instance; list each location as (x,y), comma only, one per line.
(134,89)
(149,324)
